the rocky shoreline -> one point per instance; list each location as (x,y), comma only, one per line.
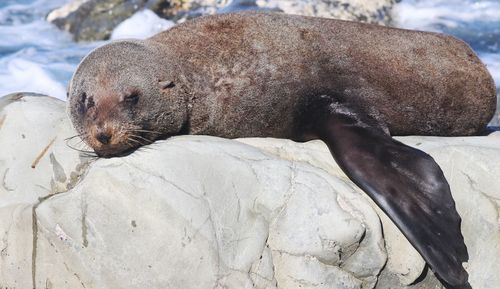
(90,20)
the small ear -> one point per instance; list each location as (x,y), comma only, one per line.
(166,84)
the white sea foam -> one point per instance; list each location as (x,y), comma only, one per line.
(14,12)
(30,51)
(37,33)
(24,75)
(141,25)
(429,14)
(35,56)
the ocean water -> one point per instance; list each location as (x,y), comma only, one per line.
(35,56)
(475,22)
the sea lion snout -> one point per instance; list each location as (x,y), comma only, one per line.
(101,134)
(104,137)
(107,131)
(106,143)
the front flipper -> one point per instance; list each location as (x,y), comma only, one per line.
(405,182)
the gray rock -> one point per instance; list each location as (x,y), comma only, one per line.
(90,20)
(204,212)
(373,11)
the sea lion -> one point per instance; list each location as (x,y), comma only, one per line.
(349,84)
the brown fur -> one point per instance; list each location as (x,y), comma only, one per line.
(248,74)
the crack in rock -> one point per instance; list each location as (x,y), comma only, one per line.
(80,280)
(474,186)
(5,240)
(163,178)
(290,192)
(4,181)
(84,207)
(81,168)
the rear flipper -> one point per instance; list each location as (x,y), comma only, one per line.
(405,182)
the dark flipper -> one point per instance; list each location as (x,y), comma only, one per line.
(405,182)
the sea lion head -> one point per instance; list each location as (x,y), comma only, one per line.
(124,95)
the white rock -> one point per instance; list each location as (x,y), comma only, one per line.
(403,260)
(210,206)
(35,163)
(205,212)
(141,25)
(26,75)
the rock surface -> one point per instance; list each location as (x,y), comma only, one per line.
(141,25)
(373,11)
(35,163)
(89,20)
(248,213)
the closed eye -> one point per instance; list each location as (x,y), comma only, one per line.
(87,102)
(83,97)
(132,98)
(90,103)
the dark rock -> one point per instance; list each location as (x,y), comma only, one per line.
(90,20)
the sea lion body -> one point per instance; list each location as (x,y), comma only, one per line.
(249,74)
(349,84)
(253,72)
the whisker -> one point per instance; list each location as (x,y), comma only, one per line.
(143,130)
(143,141)
(134,140)
(80,142)
(128,143)
(83,151)
(90,156)
(72,137)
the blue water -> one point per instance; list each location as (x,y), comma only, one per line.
(36,56)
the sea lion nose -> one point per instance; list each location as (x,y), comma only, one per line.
(103,137)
